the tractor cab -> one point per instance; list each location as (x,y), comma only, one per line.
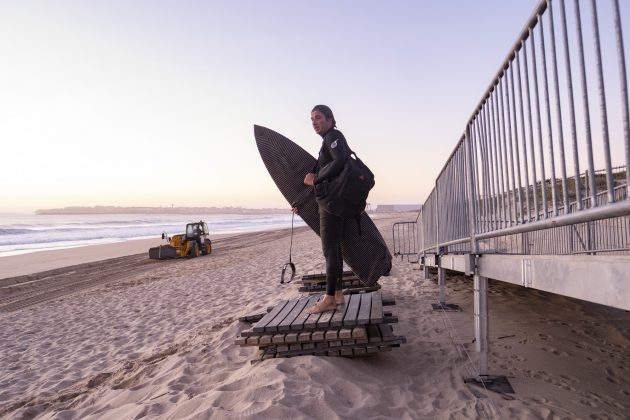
(194,231)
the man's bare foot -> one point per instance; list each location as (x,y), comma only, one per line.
(325,304)
(339,299)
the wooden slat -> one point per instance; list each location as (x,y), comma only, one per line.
(359,332)
(363,318)
(345,333)
(332,335)
(359,351)
(376,313)
(324,320)
(272,326)
(297,310)
(260,325)
(386,331)
(311,321)
(257,316)
(318,336)
(298,322)
(337,318)
(388,300)
(374,335)
(350,318)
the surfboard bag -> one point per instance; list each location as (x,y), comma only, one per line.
(346,194)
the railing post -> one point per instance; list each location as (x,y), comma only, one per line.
(441,271)
(442,282)
(480,283)
(481,320)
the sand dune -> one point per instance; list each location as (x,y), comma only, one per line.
(160,344)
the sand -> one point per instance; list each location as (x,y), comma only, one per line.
(157,341)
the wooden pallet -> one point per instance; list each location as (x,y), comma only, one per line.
(386,299)
(319,277)
(358,327)
(348,288)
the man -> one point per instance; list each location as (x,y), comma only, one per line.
(332,158)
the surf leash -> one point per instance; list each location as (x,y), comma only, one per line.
(289,264)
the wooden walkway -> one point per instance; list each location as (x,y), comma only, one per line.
(358,327)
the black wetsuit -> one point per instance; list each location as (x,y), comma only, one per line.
(332,157)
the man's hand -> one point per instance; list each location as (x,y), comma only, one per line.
(309,179)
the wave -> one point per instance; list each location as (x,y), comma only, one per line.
(37,233)
(11,231)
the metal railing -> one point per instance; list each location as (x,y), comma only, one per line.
(405,239)
(542,166)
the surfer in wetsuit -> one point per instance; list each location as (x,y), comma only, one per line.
(331,160)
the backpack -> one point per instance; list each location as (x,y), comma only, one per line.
(346,194)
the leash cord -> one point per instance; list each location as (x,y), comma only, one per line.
(291,244)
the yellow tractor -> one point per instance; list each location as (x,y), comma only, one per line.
(193,243)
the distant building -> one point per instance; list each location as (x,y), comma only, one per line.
(394,208)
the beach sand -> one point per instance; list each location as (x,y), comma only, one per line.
(155,339)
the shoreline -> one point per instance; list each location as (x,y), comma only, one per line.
(51,259)
(39,261)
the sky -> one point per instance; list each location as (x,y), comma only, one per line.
(153,103)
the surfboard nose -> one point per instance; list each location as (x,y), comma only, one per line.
(259,130)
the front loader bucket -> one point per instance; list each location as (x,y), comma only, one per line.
(162,252)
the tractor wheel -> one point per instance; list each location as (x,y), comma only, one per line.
(207,248)
(194,250)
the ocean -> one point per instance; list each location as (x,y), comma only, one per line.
(24,233)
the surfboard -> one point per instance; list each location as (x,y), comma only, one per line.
(366,254)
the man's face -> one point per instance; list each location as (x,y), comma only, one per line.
(320,123)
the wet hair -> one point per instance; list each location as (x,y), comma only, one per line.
(327,113)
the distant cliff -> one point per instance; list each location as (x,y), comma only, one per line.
(160,210)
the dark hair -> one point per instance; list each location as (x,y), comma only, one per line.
(327,113)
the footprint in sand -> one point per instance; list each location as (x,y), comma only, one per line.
(555,351)
(588,403)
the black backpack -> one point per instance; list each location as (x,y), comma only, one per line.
(346,194)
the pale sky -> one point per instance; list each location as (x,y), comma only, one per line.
(149,103)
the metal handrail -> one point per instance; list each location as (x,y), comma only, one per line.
(507,175)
